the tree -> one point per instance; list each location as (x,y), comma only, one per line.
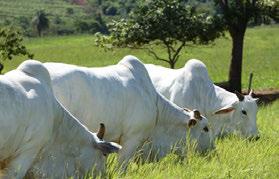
(236,15)
(70,11)
(167,23)
(11,45)
(41,22)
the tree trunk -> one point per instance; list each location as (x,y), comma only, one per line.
(236,60)
(1,68)
(39,33)
(172,64)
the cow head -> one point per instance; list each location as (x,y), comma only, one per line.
(200,133)
(73,155)
(243,115)
(105,147)
(95,153)
(172,137)
(93,156)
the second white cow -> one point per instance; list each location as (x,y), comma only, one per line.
(192,87)
(123,97)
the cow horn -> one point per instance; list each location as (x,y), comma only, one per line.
(197,114)
(101,131)
(251,93)
(239,96)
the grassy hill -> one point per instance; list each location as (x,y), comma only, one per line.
(13,9)
(62,15)
(65,16)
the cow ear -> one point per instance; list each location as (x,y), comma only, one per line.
(225,110)
(108,147)
(192,123)
(239,95)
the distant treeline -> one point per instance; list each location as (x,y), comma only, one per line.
(64,17)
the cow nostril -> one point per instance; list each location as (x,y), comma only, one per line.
(205,129)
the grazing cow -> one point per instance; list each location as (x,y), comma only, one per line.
(191,87)
(38,134)
(124,98)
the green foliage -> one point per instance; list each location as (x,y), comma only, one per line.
(114,7)
(89,26)
(24,22)
(270,8)
(237,12)
(40,21)
(11,45)
(70,11)
(57,20)
(171,24)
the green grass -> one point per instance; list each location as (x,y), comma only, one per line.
(260,55)
(233,157)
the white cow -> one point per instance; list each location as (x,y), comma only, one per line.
(123,97)
(38,134)
(191,87)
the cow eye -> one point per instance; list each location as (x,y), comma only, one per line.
(244,112)
(205,129)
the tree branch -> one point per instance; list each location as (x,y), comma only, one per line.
(169,49)
(176,55)
(156,56)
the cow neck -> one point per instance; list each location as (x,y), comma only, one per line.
(205,96)
(169,113)
(219,98)
(68,129)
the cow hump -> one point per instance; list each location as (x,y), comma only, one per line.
(196,67)
(35,69)
(134,65)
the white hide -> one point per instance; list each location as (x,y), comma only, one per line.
(191,87)
(34,127)
(122,97)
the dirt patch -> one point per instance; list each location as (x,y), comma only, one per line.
(266,96)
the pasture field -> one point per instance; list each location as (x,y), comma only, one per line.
(260,55)
(233,157)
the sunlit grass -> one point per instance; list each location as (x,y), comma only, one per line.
(233,157)
(260,55)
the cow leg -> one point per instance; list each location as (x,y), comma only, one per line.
(128,151)
(20,164)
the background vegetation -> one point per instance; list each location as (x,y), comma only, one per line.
(65,16)
(79,16)
(260,56)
